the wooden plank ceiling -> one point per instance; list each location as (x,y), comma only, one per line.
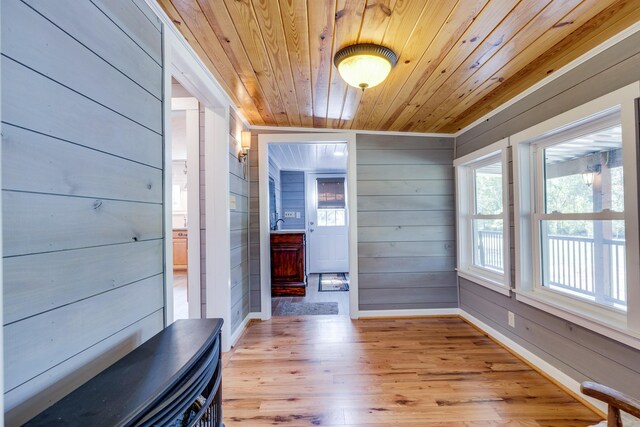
(458,60)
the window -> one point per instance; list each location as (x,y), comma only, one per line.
(331,202)
(579,220)
(575,209)
(483,246)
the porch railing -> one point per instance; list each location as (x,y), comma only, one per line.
(574,264)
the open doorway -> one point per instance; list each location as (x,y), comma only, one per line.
(185,208)
(308,223)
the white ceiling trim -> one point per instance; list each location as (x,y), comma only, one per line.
(349,131)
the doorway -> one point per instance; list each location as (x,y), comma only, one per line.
(314,200)
(185,206)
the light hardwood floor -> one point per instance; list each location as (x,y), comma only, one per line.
(180,303)
(313,295)
(333,371)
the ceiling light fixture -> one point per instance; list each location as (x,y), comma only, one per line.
(364,65)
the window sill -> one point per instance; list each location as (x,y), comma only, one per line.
(596,319)
(483,281)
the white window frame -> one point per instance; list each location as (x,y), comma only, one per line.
(528,175)
(465,210)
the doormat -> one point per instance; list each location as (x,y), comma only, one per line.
(332,282)
(306,308)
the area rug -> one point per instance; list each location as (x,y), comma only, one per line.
(306,308)
(332,282)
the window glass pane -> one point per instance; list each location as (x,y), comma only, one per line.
(330,192)
(488,244)
(322,218)
(617,189)
(331,217)
(584,174)
(488,189)
(585,259)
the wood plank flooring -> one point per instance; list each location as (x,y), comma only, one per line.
(180,300)
(334,371)
(313,295)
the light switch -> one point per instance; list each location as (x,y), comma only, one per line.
(298,215)
(232,203)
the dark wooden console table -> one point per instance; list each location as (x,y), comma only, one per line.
(176,375)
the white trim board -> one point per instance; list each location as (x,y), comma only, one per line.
(420,312)
(217,219)
(349,131)
(352,201)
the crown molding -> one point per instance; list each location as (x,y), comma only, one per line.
(368,132)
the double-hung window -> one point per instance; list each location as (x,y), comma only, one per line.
(576,215)
(482,207)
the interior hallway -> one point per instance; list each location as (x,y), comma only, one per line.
(332,371)
(313,295)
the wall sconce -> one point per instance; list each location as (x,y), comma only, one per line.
(245,142)
(590,174)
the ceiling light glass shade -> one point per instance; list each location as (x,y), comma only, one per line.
(364,65)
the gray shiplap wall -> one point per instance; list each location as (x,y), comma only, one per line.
(579,352)
(238,188)
(82,192)
(406,222)
(254,218)
(254,226)
(292,195)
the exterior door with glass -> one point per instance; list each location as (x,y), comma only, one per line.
(328,238)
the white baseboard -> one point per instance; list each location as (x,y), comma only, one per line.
(551,371)
(363,314)
(238,333)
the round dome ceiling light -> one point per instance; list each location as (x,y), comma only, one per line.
(364,65)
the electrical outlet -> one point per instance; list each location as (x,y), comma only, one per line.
(289,214)
(512,319)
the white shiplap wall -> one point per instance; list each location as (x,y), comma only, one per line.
(82,175)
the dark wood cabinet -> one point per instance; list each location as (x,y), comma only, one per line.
(287,264)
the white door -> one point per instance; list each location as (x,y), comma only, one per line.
(328,223)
